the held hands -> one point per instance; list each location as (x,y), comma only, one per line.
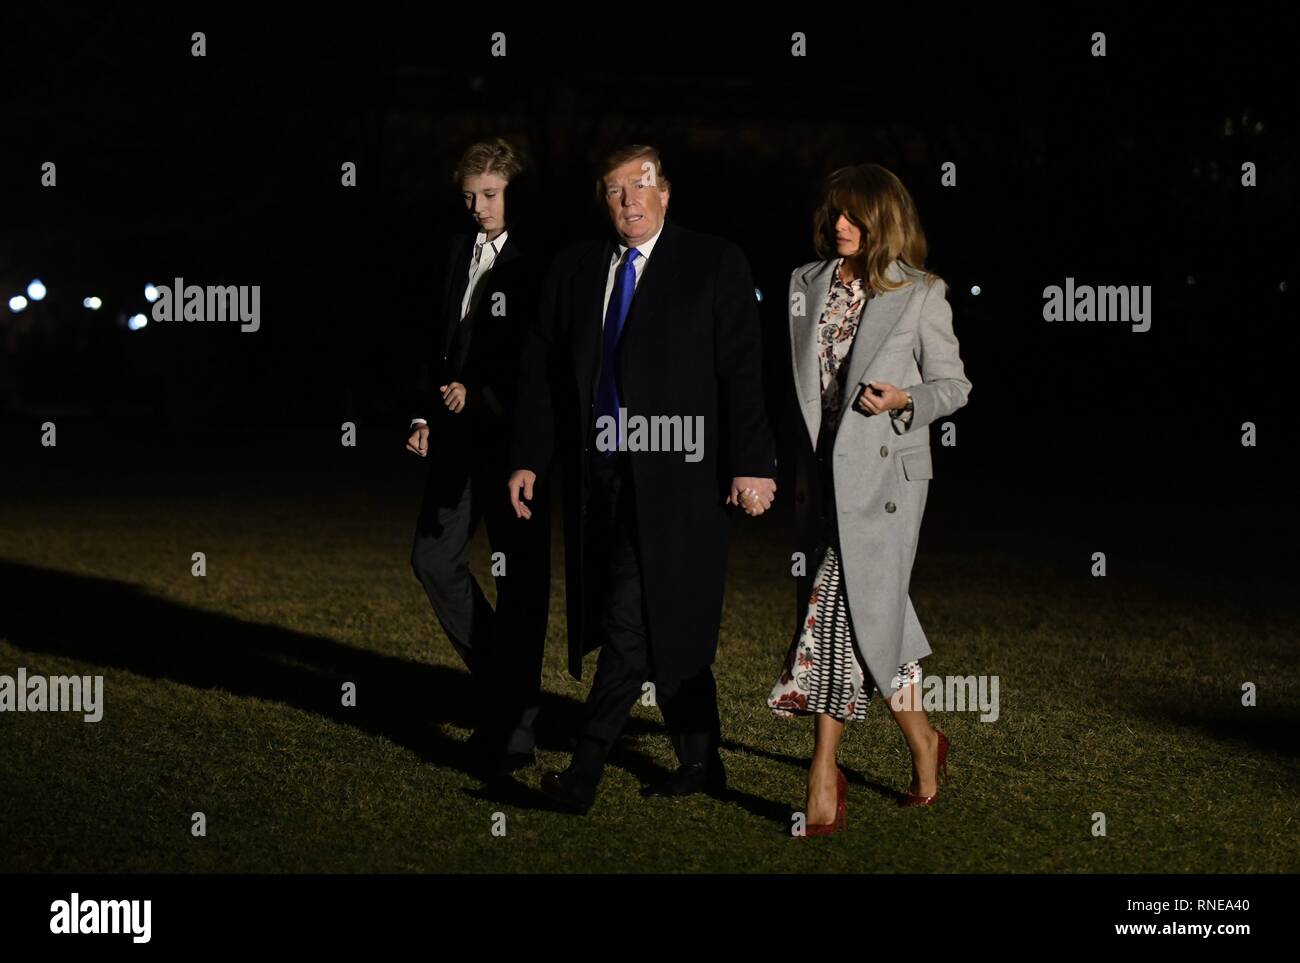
(878,396)
(754,495)
(521,481)
(419,440)
(453,396)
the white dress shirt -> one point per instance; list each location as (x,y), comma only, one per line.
(485,255)
(638,267)
(480,265)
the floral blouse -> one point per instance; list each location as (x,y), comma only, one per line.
(835,333)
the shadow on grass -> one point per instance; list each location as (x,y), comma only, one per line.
(113,624)
(513,791)
(781,812)
(1266,728)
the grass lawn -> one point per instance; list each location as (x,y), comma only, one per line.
(1118,695)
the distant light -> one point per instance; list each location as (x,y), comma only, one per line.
(136,322)
(1191,280)
(975,290)
(92,302)
(758,294)
(17,303)
(150,293)
(36,290)
(1282,287)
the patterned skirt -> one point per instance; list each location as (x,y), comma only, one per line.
(823,670)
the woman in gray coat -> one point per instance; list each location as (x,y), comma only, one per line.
(875,362)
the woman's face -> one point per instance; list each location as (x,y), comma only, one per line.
(485,199)
(848,236)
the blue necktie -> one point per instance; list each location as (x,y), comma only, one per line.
(620,301)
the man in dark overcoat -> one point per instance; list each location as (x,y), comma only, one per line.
(642,384)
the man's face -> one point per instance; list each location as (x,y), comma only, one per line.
(485,199)
(635,200)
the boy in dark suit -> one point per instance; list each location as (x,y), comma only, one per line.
(488,297)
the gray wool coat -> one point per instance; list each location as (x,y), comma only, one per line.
(882,472)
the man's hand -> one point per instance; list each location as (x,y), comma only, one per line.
(522,480)
(754,495)
(880,396)
(453,396)
(419,440)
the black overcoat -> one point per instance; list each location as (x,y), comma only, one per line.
(482,352)
(691,346)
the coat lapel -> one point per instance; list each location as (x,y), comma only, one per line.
(509,251)
(651,291)
(589,293)
(647,300)
(454,289)
(881,314)
(878,319)
(814,284)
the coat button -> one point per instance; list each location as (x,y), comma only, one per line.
(883,451)
(889,506)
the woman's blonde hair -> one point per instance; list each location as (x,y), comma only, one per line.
(875,200)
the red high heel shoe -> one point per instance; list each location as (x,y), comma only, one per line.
(840,822)
(941,767)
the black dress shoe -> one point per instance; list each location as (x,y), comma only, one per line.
(480,742)
(696,777)
(513,762)
(485,755)
(493,765)
(572,794)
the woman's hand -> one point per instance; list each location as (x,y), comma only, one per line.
(880,396)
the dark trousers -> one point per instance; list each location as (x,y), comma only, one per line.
(625,663)
(502,648)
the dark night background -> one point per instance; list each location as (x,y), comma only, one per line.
(225,170)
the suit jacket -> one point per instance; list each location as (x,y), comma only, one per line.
(481,352)
(691,345)
(881,469)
